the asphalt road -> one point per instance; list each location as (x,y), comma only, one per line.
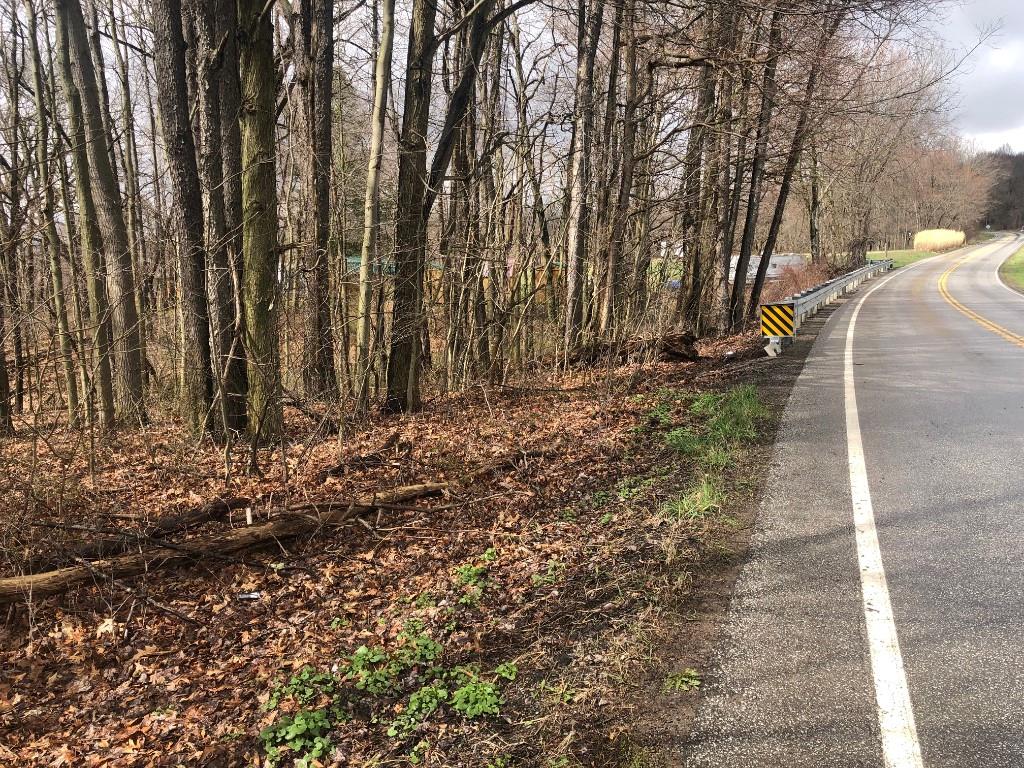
(937,368)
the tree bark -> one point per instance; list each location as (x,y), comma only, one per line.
(316,45)
(792,160)
(108,206)
(48,222)
(769,88)
(91,240)
(588,36)
(172,97)
(231,348)
(258,78)
(371,203)
(411,229)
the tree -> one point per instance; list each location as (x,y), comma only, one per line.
(107,194)
(258,78)
(371,204)
(49,222)
(410,231)
(169,55)
(316,64)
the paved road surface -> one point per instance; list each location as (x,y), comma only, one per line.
(937,372)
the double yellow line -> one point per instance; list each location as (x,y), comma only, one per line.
(984,322)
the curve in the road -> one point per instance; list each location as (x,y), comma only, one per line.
(984,322)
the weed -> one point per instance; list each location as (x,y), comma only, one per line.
(606,518)
(633,487)
(303,734)
(415,756)
(716,458)
(372,670)
(425,600)
(375,671)
(660,415)
(470,575)
(551,574)
(508,670)
(422,704)
(501,761)
(473,579)
(685,441)
(698,500)
(561,693)
(339,622)
(706,404)
(681,682)
(737,416)
(600,498)
(727,419)
(307,686)
(476,698)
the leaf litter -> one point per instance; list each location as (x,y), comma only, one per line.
(543,586)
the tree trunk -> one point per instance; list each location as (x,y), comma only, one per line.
(89,233)
(768,90)
(316,62)
(108,206)
(231,348)
(172,96)
(814,212)
(792,161)
(258,77)
(371,204)
(579,189)
(411,230)
(619,215)
(48,222)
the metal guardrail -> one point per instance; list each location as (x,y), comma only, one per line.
(781,319)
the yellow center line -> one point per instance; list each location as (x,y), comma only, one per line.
(984,322)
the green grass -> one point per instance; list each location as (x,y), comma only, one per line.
(1012,271)
(701,499)
(900,258)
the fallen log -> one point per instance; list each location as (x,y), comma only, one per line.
(288,522)
(168,525)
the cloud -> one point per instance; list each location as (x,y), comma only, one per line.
(991,85)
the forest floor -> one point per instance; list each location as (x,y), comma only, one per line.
(556,613)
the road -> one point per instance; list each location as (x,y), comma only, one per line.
(879,620)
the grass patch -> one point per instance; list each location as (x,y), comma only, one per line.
(1012,271)
(724,422)
(682,682)
(900,258)
(698,501)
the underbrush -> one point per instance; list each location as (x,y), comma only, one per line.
(511,623)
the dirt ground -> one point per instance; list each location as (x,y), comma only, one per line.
(552,613)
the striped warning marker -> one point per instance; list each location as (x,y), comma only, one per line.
(777,320)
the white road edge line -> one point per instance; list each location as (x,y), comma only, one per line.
(900,747)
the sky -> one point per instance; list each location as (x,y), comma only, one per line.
(991,84)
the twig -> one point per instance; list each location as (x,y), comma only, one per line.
(144,598)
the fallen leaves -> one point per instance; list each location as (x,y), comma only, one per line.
(113,682)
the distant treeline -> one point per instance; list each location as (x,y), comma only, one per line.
(1006,200)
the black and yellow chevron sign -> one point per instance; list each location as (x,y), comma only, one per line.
(777,320)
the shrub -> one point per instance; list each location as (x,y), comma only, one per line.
(935,240)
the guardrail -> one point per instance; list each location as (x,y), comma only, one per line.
(780,320)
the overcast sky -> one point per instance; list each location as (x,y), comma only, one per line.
(992,83)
